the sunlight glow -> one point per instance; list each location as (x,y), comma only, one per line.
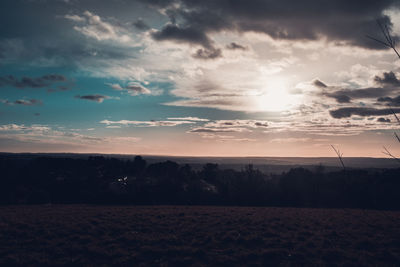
(276,96)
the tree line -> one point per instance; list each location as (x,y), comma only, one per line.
(102,180)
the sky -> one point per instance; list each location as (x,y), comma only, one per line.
(199,78)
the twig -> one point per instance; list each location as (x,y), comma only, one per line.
(339,154)
(389,41)
(397,137)
(398,120)
(394,113)
(387,152)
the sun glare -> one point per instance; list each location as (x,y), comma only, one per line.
(276,97)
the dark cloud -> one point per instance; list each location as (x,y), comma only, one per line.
(211,53)
(339,21)
(383,120)
(391,101)
(261,124)
(370,92)
(140,25)
(340,98)
(37,32)
(97,98)
(388,78)
(190,35)
(319,84)
(235,46)
(388,81)
(30,82)
(360,111)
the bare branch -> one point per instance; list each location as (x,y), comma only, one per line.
(339,154)
(397,137)
(387,152)
(379,41)
(389,41)
(394,113)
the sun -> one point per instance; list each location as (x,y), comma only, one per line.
(275,96)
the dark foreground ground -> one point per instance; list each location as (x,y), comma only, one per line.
(170,236)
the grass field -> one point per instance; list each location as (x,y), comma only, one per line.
(181,236)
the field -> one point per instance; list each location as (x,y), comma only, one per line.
(198,235)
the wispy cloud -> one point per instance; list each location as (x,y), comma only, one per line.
(91,25)
(24,102)
(218,130)
(132,88)
(43,134)
(146,123)
(31,82)
(188,119)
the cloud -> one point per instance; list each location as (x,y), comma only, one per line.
(151,123)
(25,102)
(30,82)
(75,18)
(237,140)
(360,111)
(324,126)
(208,53)
(340,98)
(391,101)
(388,81)
(137,89)
(238,123)
(20,128)
(218,130)
(115,86)
(140,25)
(124,139)
(344,95)
(29,102)
(44,134)
(290,20)
(191,35)
(213,102)
(97,98)
(230,126)
(188,119)
(94,27)
(388,78)
(132,88)
(385,120)
(290,140)
(235,46)
(319,84)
